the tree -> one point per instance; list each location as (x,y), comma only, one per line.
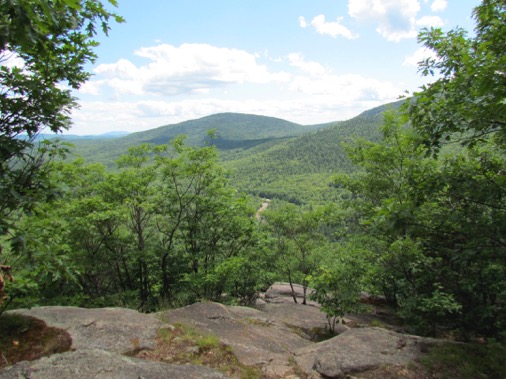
(430,199)
(298,241)
(51,41)
(201,219)
(466,104)
(434,227)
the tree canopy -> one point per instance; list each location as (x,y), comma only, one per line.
(44,49)
(430,200)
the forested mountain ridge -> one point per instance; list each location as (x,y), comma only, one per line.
(231,130)
(237,135)
(264,156)
(300,169)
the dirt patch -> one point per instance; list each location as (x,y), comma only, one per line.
(24,338)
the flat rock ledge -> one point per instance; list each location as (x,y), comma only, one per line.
(276,337)
(117,330)
(100,339)
(100,364)
(361,349)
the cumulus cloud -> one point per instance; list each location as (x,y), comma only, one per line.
(348,88)
(11,60)
(395,19)
(221,80)
(314,94)
(418,56)
(189,68)
(430,21)
(438,5)
(99,117)
(310,67)
(330,28)
(302,22)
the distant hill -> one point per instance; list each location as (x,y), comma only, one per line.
(300,168)
(265,156)
(75,137)
(233,131)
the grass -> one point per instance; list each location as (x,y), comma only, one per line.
(184,344)
(27,338)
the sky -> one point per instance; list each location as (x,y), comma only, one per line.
(305,61)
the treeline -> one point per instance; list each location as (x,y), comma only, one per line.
(163,229)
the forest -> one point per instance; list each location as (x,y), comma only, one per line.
(407,201)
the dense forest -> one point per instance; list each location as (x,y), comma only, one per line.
(407,201)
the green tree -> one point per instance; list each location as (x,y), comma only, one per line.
(466,104)
(201,219)
(429,199)
(434,229)
(298,240)
(52,41)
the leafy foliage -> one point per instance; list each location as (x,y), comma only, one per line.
(165,225)
(44,47)
(466,104)
(435,222)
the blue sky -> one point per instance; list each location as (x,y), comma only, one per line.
(306,61)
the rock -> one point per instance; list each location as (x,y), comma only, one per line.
(282,293)
(255,338)
(193,350)
(99,364)
(276,337)
(112,329)
(358,350)
(367,298)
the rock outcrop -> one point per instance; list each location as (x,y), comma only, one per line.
(100,339)
(101,364)
(360,349)
(278,337)
(117,330)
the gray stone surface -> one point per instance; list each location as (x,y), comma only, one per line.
(100,364)
(359,350)
(113,329)
(281,292)
(266,337)
(255,338)
(276,337)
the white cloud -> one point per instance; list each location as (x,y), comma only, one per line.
(311,93)
(10,60)
(302,22)
(310,67)
(438,5)
(395,19)
(418,56)
(344,89)
(430,21)
(100,117)
(332,28)
(189,68)
(91,87)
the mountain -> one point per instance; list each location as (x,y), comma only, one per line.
(300,169)
(74,137)
(234,131)
(265,156)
